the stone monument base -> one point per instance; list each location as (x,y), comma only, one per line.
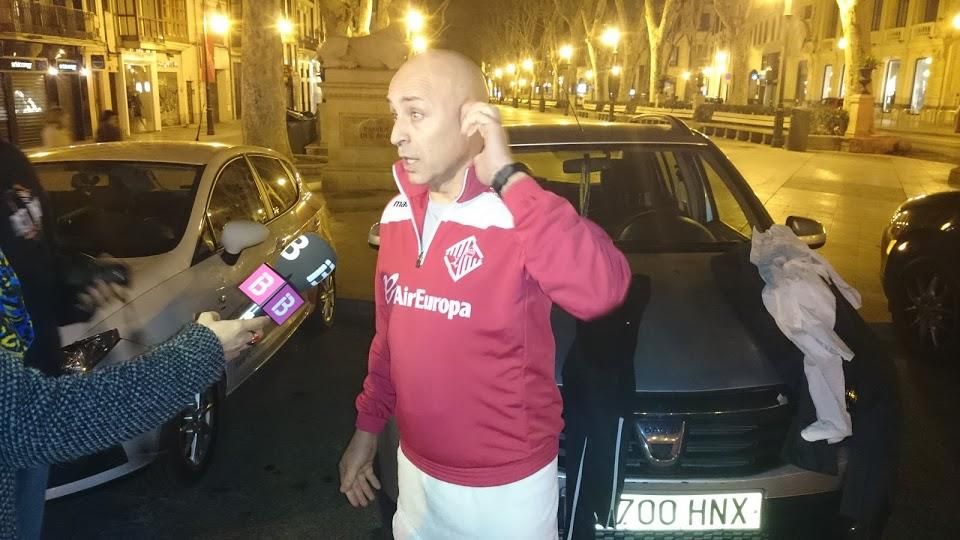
(877,144)
(355,130)
(860,107)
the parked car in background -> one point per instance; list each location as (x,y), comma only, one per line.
(161,209)
(920,266)
(710,414)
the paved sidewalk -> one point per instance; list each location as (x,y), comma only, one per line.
(228,132)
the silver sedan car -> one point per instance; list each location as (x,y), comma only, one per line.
(161,209)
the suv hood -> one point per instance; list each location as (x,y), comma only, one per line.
(689,339)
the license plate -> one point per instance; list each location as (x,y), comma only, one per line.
(700,512)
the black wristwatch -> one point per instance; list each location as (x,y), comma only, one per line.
(504,174)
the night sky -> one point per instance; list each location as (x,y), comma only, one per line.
(461,35)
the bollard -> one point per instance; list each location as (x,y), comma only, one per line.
(777,141)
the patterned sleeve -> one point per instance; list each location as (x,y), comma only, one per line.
(48,420)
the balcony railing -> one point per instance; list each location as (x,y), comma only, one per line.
(152,30)
(311,42)
(45,19)
(895,34)
(924,30)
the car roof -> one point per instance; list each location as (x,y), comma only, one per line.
(186,152)
(664,131)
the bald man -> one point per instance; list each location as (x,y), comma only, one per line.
(472,255)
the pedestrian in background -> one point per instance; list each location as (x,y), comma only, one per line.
(56,132)
(109,130)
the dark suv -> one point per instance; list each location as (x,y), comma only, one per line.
(698,408)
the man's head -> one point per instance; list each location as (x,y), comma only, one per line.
(426,96)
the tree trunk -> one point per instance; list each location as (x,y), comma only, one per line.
(739,66)
(857,46)
(656,28)
(365,17)
(734,15)
(262,89)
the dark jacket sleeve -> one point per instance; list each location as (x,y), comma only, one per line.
(48,420)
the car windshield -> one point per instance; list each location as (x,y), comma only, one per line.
(120,209)
(649,198)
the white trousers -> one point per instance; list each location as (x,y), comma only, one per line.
(431,509)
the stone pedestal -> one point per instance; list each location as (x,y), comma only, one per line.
(860,107)
(355,130)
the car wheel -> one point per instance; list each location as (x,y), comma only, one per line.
(926,310)
(188,441)
(325,302)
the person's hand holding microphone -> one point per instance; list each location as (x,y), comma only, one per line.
(236,336)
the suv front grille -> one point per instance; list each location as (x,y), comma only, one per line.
(726,433)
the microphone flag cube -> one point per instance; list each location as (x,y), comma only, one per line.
(267,288)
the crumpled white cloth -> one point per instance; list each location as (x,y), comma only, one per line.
(799,299)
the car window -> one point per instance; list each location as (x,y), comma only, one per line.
(123,209)
(726,210)
(640,195)
(278,182)
(235,197)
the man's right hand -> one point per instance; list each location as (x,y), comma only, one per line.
(357,480)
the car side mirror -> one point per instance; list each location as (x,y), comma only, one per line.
(238,236)
(373,237)
(809,231)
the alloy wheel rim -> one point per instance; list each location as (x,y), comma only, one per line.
(196,428)
(931,308)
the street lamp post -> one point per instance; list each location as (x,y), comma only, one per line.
(778,120)
(611,38)
(566,55)
(512,71)
(218,24)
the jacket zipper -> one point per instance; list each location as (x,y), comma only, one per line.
(421,252)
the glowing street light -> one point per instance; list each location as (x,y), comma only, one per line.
(842,43)
(588,75)
(219,23)
(522,83)
(511,68)
(415,21)
(956,21)
(528,64)
(685,75)
(616,70)
(566,53)
(611,37)
(497,73)
(419,44)
(285,27)
(721,58)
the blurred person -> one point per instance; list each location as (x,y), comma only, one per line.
(56,130)
(109,130)
(55,419)
(473,254)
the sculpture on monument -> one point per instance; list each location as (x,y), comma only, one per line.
(868,64)
(383,49)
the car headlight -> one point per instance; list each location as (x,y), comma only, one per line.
(898,224)
(82,356)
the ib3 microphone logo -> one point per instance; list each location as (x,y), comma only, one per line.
(266,288)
